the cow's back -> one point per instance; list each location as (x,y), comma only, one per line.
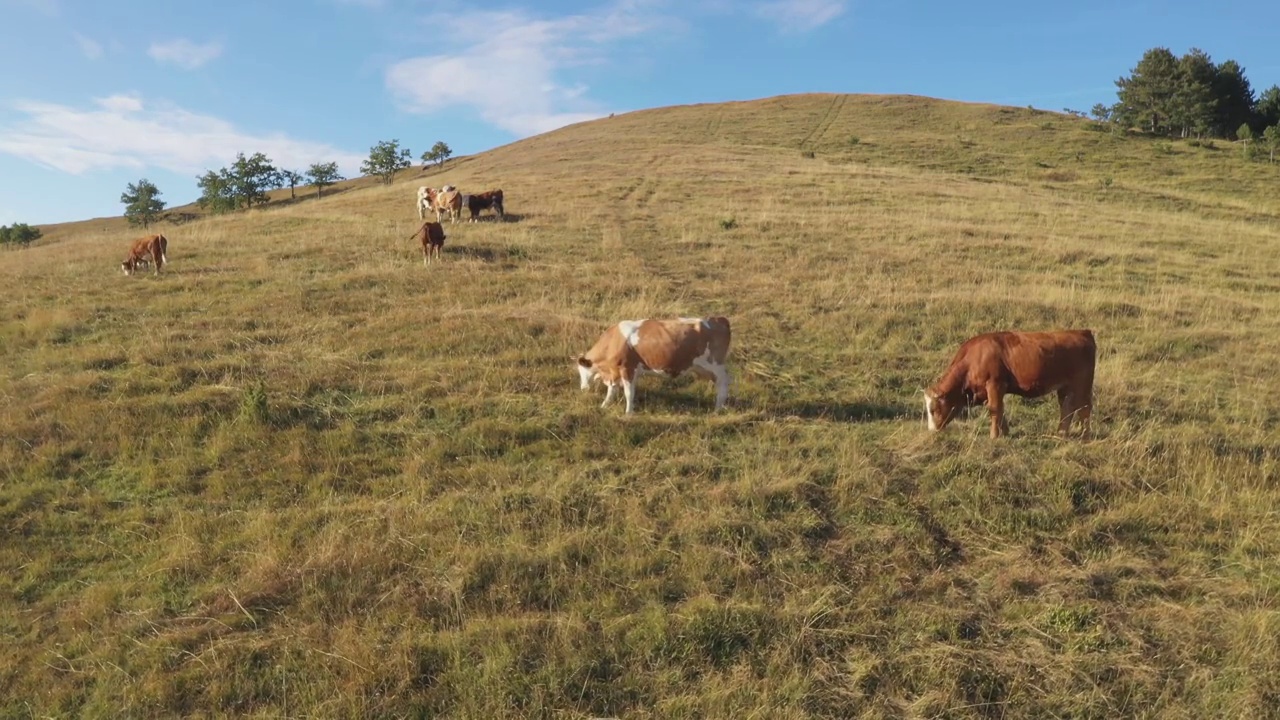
(1039,362)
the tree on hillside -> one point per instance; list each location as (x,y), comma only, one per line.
(1235,97)
(19,234)
(1271,136)
(437,154)
(1268,107)
(1101,113)
(142,203)
(216,191)
(386,159)
(1194,103)
(290,178)
(322,175)
(251,177)
(1146,96)
(1244,135)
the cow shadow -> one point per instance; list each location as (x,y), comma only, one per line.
(487,254)
(856,411)
(488,216)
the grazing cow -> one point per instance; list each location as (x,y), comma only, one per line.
(431,235)
(484,201)
(449,202)
(632,348)
(1028,364)
(152,249)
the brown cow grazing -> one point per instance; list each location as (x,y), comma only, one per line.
(483,201)
(431,235)
(449,201)
(153,248)
(632,348)
(1028,364)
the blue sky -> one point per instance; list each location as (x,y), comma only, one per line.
(97,94)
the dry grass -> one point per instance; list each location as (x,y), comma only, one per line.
(302,475)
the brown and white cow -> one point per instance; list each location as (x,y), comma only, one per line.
(449,202)
(426,201)
(633,348)
(153,249)
(484,201)
(431,235)
(1028,364)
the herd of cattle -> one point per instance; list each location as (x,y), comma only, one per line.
(984,370)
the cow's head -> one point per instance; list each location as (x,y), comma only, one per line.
(939,409)
(586,371)
(127,266)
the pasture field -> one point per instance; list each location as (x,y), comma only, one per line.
(301,475)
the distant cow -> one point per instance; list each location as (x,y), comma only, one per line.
(153,249)
(1028,364)
(632,348)
(426,201)
(431,235)
(449,202)
(484,201)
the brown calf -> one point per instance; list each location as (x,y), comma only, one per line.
(1028,364)
(153,247)
(431,235)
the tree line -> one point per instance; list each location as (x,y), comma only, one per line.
(18,235)
(1191,96)
(245,182)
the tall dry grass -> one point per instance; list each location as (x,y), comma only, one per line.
(300,474)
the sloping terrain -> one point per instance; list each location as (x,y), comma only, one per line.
(300,474)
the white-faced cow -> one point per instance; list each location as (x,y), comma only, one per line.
(1028,364)
(426,201)
(633,348)
(153,248)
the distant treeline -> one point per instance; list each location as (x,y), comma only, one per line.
(1190,96)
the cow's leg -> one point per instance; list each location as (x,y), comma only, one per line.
(718,373)
(157,257)
(608,393)
(1074,404)
(629,389)
(995,404)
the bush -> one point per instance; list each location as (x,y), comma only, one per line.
(807,154)
(19,234)
(854,140)
(728,223)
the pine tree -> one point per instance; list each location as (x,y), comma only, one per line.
(142,203)
(1147,95)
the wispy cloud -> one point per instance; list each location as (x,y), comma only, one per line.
(124,131)
(184,53)
(510,66)
(799,16)
(89,47)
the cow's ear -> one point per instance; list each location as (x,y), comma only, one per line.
(583,361)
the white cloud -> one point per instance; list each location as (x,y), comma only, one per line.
(184,53)
(91,48)
(510,63)
(800,15)
(123,131)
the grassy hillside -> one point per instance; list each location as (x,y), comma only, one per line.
(300,474)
